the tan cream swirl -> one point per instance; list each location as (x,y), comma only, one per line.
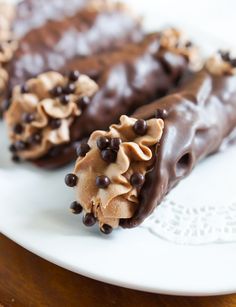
(218,66)
(177,41)
(135,155)
(44,107)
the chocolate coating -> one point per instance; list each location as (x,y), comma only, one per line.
(200,116)
(55,42)
(121,73)
(31,14)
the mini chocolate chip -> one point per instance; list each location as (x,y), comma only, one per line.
(102,182)
(140,127)
(15,158)
(233,62)
(83,149)
(115,143)
(28,118)
(55,123)
(24,89)
(89,219)
(103,142)
(71,180)
(18,129)
(20,145)
(83,102)
(76,208)
(109,155)
(65,99)
(137,180)
(106,229)
(56,91)
(225,55)
(161,113)
(188,44)
(12,148)
(69,89)
(74,75)
(35,139)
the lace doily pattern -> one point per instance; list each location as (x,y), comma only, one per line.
(195,225)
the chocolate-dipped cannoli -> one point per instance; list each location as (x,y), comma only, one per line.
(126,79)
(49,33)
(97,27)
(126,172)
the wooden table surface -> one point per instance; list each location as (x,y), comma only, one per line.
(27,280)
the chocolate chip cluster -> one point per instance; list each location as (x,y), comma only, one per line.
(42,111)
(110,171)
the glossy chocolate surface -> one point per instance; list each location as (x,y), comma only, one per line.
(198,119)
(31,14)
(86,33)
(128,79)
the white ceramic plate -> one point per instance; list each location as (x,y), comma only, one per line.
(34,213)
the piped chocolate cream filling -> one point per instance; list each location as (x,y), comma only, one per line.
(187,126)
(43,110)
(127,79)
(111,169)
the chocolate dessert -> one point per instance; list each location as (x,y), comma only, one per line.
(95,28)
(125,80)
(125,173)
(49,33)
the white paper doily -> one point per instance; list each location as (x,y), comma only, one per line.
(202,209)
(194,225)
